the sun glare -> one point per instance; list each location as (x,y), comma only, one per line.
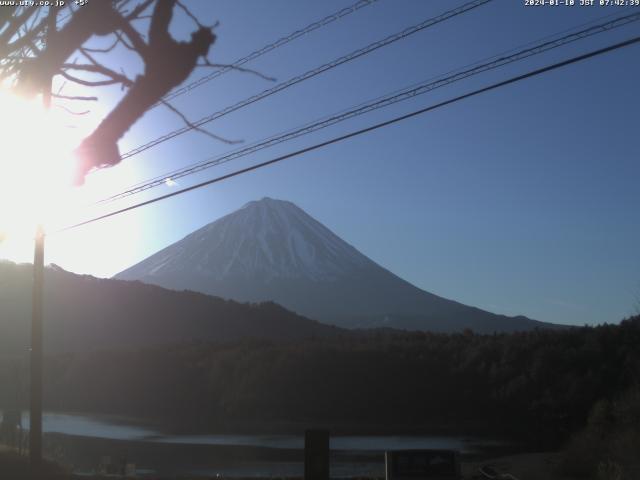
(36,165)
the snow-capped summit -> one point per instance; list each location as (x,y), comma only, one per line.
(265,239)
(272,250)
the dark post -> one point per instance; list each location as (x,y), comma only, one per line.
(35,415)
(316,455)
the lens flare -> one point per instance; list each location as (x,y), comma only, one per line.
(36,165)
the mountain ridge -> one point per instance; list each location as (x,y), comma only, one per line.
(82,312)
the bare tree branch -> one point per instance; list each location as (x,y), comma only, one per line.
(135,13)
(87,83)
(96,18)
(196,128)
(14,25)
(207,63)
(29,62)
(137,43)
(72,112)
(103,50)
(6,14)
(96,68)
(127,45)
(74,97)
(52,37)
(189,14)
(168,63)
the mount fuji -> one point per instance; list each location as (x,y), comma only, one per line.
(271,250)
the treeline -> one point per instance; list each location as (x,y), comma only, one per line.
(538,385)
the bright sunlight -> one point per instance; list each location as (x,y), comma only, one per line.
(36,165)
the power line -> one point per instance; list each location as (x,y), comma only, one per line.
(309,74)
(258,53)
(267,48)
(377,126)
(380,102)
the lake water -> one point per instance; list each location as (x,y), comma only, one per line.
(360,445)
(98,427)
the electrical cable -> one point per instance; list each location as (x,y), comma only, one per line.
(309,74)
(380,102)
(377,126)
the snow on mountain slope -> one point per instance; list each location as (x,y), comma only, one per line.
(267,238)
(272,250)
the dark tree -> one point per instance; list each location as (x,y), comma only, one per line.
(40,43)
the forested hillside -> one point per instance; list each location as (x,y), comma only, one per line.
(84,313)
(538,385)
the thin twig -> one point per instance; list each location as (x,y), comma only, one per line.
(139,9)
(101,69)
(137,43)
(201,130)
(87,83)
(71,112)
(103,50)
(207,63)
(124,42)
(74,97)
(191,15)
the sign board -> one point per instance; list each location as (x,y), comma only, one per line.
(422,464)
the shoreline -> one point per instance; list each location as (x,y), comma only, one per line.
(467,429)
(82,453)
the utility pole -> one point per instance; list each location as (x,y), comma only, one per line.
(36,363)
(35,414)
(316,455)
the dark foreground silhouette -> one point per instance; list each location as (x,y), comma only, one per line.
(540,385)
(15,467)
(571,388)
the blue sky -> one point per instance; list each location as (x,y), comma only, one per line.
(521,201)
